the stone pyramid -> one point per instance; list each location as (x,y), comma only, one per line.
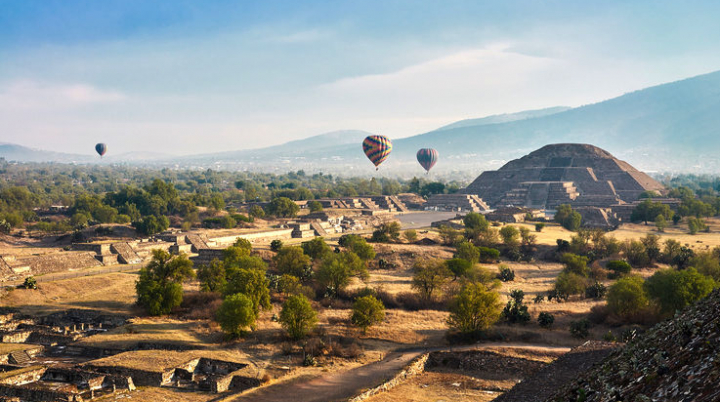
(576,174)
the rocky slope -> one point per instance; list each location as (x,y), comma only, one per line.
(677,360)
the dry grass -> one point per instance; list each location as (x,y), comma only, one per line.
(161,360)
(6,348)
(157,331)
(111,293)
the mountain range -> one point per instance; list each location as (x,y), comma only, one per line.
(673,127)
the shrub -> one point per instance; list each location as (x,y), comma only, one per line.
(276,245)
(619,268)
(506,273)
(515,311)
(596,291)
(366,312)
(609,337)
(627,296)
(568,218)
(546,320)
(580,328)
(489,255)
(358,245)
(539,227)
(283,207)
(575,264)
(387,232)
(315,206)
(468,252)
(30,283)
(236,313)
(459,267)
(289,285)
(474,309)
(410,235)
(568,284)
(297,316)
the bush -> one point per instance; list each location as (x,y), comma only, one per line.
(539,227)
(276,245)
(337,269)
(387,232)
(515,311)
(506,273)
(489,255)
(236,313)
(568,218)
(609,337)
(619,268)
(474,309)
(468,252)
(627,297)
(30,283)
(358,245)
(283,207)
(568,284)
(366,312)
(580,328)
(410,235)
(596,291)
(575,264)
(429,277)
(297,316)
(459,267)
(315,206)
(546,320)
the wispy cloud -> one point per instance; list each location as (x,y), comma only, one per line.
(28,94)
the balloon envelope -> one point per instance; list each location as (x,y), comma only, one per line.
(427,158)
(377,148)
(101,148)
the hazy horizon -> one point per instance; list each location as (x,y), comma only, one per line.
(182,79)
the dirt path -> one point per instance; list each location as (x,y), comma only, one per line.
(343,385)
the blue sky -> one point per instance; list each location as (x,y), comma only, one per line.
(187,77)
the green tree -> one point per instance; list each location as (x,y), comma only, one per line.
(293,261)
(568,218)
(366,312)
(575,264)
(459,267)
(316,248)
(467,252)
(675,290)
(289,285)
(359,246)
(276,245)
(546,320)
(695,225)
(660,223)
(429,277)
(159,288)
(252,283)
(217,203)
(568,284)
(297,316)
(619,268)
(510,235)
(256,211)
(707,264)
(236,313)
(243,244)
(627,296)
(336,270)
(387,232)
(474,309)
(283,207)
(516,311)
(315,206)
(212,276)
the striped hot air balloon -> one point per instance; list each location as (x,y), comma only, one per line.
(377,148)
(427,158)
(101,149)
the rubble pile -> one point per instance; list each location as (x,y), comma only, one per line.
(677,360)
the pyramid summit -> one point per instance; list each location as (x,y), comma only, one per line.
(576,174)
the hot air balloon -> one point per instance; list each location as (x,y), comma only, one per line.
(377,148)
(101,149)
(427,158)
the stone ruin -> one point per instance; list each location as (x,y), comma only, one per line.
(581,175)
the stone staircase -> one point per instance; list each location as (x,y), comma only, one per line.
(454,202)
(198,243)
(126,254)
(19,357)
(390,202)
(319,231)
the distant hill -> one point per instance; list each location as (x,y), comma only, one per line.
(672,127)
(505,118)
(19,153)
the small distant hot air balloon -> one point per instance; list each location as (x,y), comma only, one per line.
(427,158)
(377,148)
(101,149)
